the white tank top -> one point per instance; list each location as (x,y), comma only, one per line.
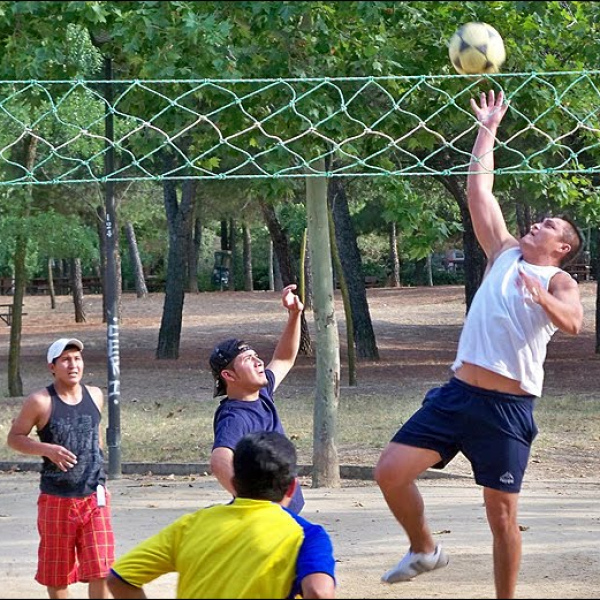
(505,331)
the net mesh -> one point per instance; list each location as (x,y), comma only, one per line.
(281,128)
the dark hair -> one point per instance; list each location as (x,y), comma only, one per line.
(264,466)
(574,238)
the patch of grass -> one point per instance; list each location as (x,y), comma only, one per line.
(570,420)
(181,431)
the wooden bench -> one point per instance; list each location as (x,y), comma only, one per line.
(371,281)
(6,313)
(6,285)
(92,285)
(580,272)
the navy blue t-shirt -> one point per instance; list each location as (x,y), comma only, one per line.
(236,418)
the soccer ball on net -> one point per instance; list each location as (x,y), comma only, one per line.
(476,48)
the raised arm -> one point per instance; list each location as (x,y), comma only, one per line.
(488,221)
(286,350)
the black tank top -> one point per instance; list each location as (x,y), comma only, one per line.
(76,427)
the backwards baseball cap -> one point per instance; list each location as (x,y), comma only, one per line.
(222,355)
(58,347)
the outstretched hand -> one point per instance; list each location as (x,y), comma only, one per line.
(290,300)
(491,108)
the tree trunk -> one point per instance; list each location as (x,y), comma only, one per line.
(598,319)
(24,153)
(271,267)
(326,469)
(136,262)
(523,212)
(77,290)
(248,277)
(597,261)
(308,285)
(277,280)
(51,284)
(224,236)
(194,254)
(101,212)
(428,270)
(394,279)
(15,382)
(305,273)
(281,249)
(232,246)
(475,260)
(345,236)
(420,272)
(178,216)
(337,263)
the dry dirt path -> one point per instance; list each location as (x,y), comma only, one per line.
(560,522)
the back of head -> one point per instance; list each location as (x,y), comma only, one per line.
(264,466)
(574,238)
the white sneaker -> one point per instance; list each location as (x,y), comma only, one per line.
(414,564)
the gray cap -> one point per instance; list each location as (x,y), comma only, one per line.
(58,347)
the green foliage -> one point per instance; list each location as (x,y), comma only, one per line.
(50,235)
(292,217)
(374,251)
(426,218)
(203,40)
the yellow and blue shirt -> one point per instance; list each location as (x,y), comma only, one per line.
(244,549)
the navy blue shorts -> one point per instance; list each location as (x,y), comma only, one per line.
(493,430)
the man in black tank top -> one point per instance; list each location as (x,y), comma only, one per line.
(76,535)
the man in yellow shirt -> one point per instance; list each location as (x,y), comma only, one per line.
(252,547)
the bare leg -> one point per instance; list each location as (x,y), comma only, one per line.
(60,592)
(501,510)
(97,588)
(395,473)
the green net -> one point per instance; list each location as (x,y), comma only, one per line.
(281,128)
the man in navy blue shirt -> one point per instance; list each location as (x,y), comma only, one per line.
(249,385)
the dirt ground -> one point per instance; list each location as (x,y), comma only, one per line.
(560,519)
(417,330)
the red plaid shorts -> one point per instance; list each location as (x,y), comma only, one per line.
(76,540)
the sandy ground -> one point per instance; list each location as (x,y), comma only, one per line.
(560,523)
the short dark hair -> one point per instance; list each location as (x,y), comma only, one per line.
(574,238)
(264,466)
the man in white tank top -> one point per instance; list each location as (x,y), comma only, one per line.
(486,410)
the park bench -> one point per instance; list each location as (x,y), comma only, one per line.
(580,271)
(371,281)
(6,313)
(62,286)
(6,285)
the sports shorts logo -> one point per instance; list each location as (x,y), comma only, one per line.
(507,478)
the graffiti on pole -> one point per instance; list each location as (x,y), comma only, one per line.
(113,362)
